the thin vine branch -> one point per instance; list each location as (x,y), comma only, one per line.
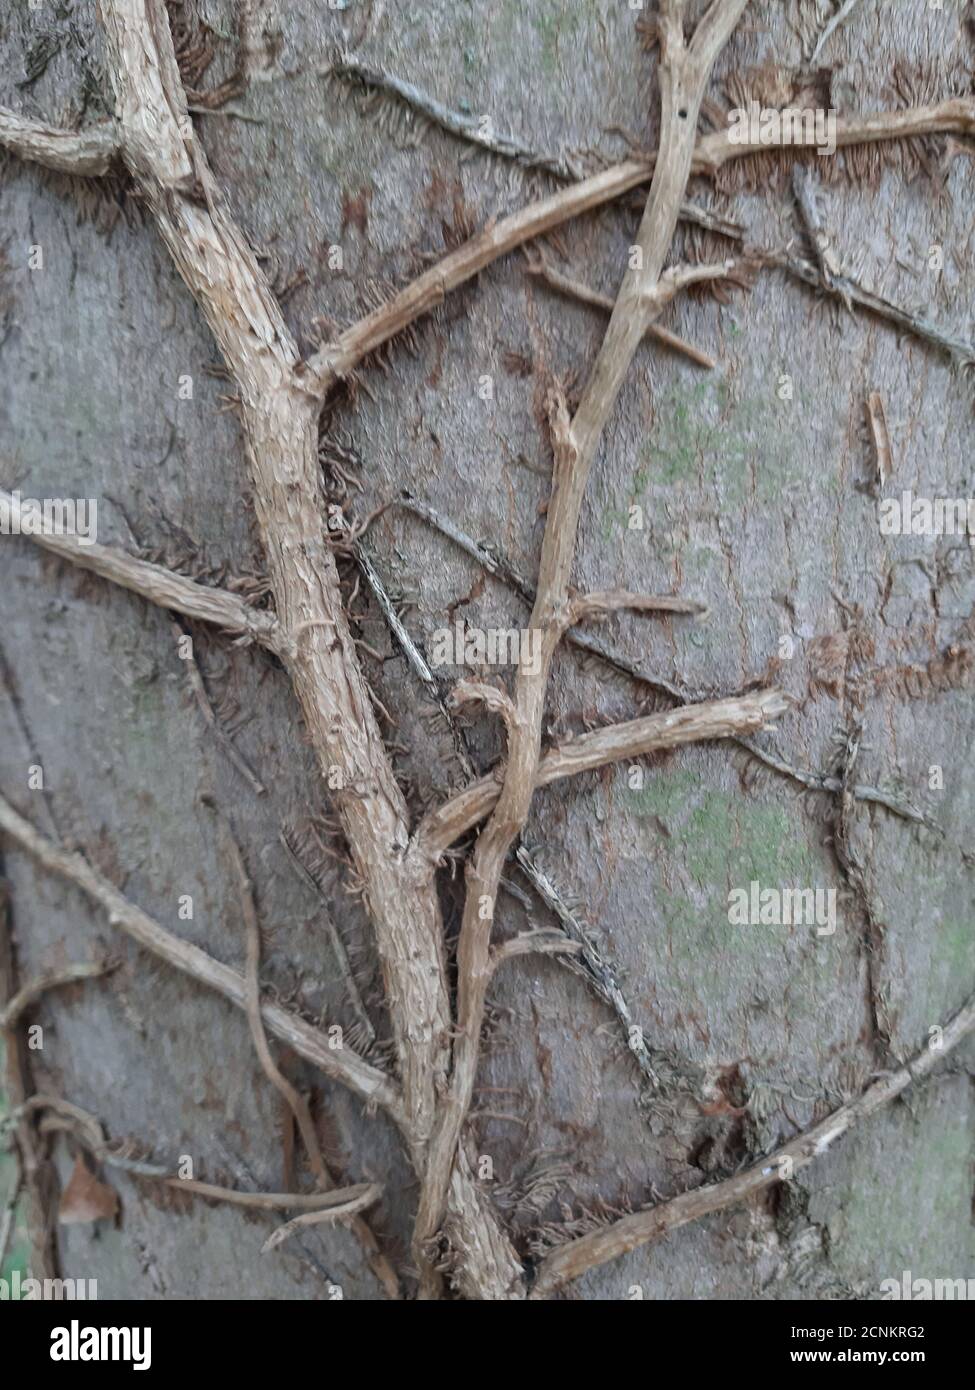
(539,267)
(199,691)
(29,993)
(36,1179)
(335,360)
(296,1102)
(714,719)
(473,130)
(280,399)
(155,583)
(88,1130)
(498,566)
(832,24)
(683,74)
(584,960)
(341,1065)
(356,1199)
(847,290)
(573,1259)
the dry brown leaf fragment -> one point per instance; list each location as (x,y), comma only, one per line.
(85,1198)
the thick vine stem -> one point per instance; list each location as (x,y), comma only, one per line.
(280,421)
(684,72)
(279,410)
(86,153)
(280,398)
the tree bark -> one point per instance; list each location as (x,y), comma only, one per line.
(757,500)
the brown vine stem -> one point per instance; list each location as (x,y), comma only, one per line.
(684,72)
(501,569)
(355,1202)
(155,583)
(88,153)
(292,1097)
(280,417)
(714,719)
(585,961)
(36,1180)
(336,359)
(70,152)
(35,989)
(194,679)
(295,1102)
(956,116)
(62,1115)
(471,129)
(280,420)
(840,17)
(567,1262)
(342,1065)
(539,267)
(848,291)
(280,398)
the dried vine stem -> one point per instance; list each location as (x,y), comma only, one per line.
(67,151)
(469,128)
(539,267)
(714,719)
(582,958)
(90,152)
(293,1098)
(955,116)
(366,1081)
(684,72)
(355,1201)
(279,414)
(280,397)
(849,292)
(194,680)
(62,1115)
(567,1262)
(36,1180)
(279,411)
(295,1102)
(352,68)
(581,955)
(840,17)
(335,360)
(502,570)
(155,583)
(35,989)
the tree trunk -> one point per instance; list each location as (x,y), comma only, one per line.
(751,487)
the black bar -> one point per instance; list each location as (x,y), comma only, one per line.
(739,1338)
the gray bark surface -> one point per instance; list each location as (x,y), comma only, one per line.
(758,506)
